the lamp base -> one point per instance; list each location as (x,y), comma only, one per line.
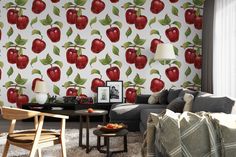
(41,98)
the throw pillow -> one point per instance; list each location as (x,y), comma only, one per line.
(188,98)
(173,93)
(176,105)
(163,97)
(154,98)
(182,93)
(142,99)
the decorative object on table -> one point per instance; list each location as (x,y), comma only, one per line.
(41,92)
(87,100)
(70,99)
(112,127)
(116,91)
(52,99)
(165,52)
(90,110)
(103,95)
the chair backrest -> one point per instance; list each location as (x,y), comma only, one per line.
(17,114)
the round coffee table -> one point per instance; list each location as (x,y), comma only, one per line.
(84,113)
(107,137)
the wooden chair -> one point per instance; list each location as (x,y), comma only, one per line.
(36,138)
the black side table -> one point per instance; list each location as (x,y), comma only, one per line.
(84,113)
(107,137)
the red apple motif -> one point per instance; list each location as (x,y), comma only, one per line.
(157,85)
(190,55)
(198,22)
(54,34)
(12,95)
(83,96)
(113,73)
(140,61)
(81,61)
(157,6)
(34,83)
(130,16)
(54,73)
(97,45)
(114,1)
(174,1)
(97,83)
(130,56)
(97,6)
(131,95)
(113,34)
(71,56)
(22,22)
(38,6)
(198,62)
(81,22)
(141,22)
(154,44)
(172,73)
(22,61)
(12,55)
(71,16)
(172,34)
(190,15)
(22,100)
(38,45)
(55,1)
(71,92)
(12,16)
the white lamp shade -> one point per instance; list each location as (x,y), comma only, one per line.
(164,51)
(41,87)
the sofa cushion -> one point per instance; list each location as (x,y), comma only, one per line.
(163,97)
(154,98)
(142,99)
(176,105)
(212,104)
(173,93)
(194,93)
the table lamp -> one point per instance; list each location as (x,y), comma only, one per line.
(164,51)
(41,92)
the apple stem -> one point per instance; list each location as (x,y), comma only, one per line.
(15,7)
(16,46)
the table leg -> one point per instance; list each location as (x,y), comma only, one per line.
(87,134)
(99,143)
(80,130)
(108,146)
(104,123)
(125,144)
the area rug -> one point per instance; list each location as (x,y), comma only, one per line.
(72,140)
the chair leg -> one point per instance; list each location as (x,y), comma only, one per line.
(6,148)
(63,140)
(63,147)
(39,152)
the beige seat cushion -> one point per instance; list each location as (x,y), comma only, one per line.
(28,136)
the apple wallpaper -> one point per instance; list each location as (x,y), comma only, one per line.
(78,45)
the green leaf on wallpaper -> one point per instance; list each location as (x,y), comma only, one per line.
(10,32)
(187,32)
(79,41)
(165,21)
(186,84)
(47,21)
(67,84)
(138,40)
(95,71)
(127,5)
(186,44)
(175,11)
(138,80)
(197,80)
(19,80)
(21,2)
(80,2)
(178,24)
(139,12)
(1,103)
(106,21)
(67,45)
(35,31)
(152,21)
(58,23)
(1,64)
(151,61)
(69,71)
(8,5)
(105,61)
(33,100)
(139,2)
(197,40)
(115,11)
(56,50)
(8,44)
(69,32)
(118,63)
(139,52)
(119,24)
(47,60)
(127,44)
(187,72)
(68,5)
(56,10)
(59,63)
(33,21)
(198,2)
(186,5)
(79,51)
(154,32)
(95,31)
(1,25)
(10,71)
(34,60)
(19,40)
(36,71)
(93,60)
(139,91)
(79,91)
(56,90)
(154,71)
(93,21)
(78,80)
(177,63)
(115,50)
(79,12)
(127,84)
(8,84)
(128,72)
(128,32)
(176,50)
